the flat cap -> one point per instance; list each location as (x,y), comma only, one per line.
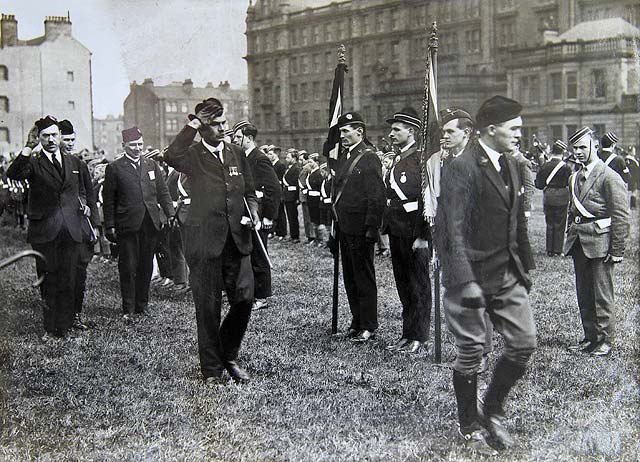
(66,127)
(131,134)
(212,105)
(350,118)
(577,136)
(496,110)
(45,122)
(449,114)
(408,116)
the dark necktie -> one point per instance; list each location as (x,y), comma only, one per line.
(56,164)
(504,169)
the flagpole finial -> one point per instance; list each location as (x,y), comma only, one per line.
(342,54)
(433,39)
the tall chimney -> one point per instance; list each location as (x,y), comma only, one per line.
(8,30)
(57,26)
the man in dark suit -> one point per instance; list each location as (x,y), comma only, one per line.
(596,235)
(85,252)
(291,194)
(409,233)
(484,248)
(553,179)
(134,191)
(358,204)
(56,216)
(268,192)
(217,237)
(178,189)
(280,227)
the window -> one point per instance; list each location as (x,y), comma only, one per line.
(395,19)
(530,89)
(315,63)
(71,105)
(257,96)
(507,33)
(304,37)
(294,120)
(328,32)
(366,24)
(316,91)
(294,38)
(305,119)
(172,125)
(294,92)
(316,34)
(379,22)
(4,104)
(294,65)
(555,84)
(184,107)
(4,135)
(304,91)
(4,73)
(317,122)
(268,121)
(277,94)
(472,40)
(70,76)
(572,85)
(599,83)
(366,85)
(556,132)
(571,129)
(328,60)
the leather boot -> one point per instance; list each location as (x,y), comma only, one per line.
(474,435)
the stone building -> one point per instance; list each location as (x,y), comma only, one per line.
(108,135)
(292,49)
(50,74)
(161,111)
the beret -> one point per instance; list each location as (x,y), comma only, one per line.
(66,127)
(45,122)
(131,134)
(407,115)
(447,115)
(496,110)
(212,105)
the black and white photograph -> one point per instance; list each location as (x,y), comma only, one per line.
(319,230)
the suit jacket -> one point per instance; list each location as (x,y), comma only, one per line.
(527,182)
(403,214)
(361,204)
(604,194)
(54,201)
(480,225)
(267,185)
(218,192)
(290,190)
(131,192)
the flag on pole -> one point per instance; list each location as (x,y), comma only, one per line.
(331,146)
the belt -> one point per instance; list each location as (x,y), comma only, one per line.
(603,221)
(186,201)
(326,200)
(408,206)
(314,193)
(291,188)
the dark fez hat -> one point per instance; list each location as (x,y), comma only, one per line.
(559,147)
(609,139)
(408,116)
(212,105)
(496,110)
(350,118)
(66,127)
(577,136)
(447,115)
(45,122)
(131,134)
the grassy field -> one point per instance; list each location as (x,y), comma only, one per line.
(131,392)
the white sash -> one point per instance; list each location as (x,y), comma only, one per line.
(554,171)
(610,158)
(602,223)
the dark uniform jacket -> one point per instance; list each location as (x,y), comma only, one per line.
(217,193)
(54,201)
(403,215)
(483,225)
(556,192)
(179,190)
(634,172)
(314,186)
(290,190)
(617,163)
(131,192)
(268,190)
(361,203)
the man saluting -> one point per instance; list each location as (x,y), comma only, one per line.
(217,237)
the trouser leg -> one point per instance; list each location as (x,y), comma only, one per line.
(585,291)
(147,243)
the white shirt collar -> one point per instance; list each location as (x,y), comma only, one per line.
(494,156)
(353,146)
(589,168)
(51,154)
(213,149)
(407,146)
(131,159)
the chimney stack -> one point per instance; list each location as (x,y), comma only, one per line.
(57,26)
(8,30)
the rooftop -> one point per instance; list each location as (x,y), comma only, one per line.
(599,30)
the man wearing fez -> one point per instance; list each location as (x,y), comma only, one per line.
(483,245)
(85,253)
(134,191)
(409,233)
(268,192)
(56,215)
(217,235)
(553,179)
(596,234)
(610,157)
(358,204)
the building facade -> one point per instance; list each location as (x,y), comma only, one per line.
(107,134)
(50,74)
(292,53)
(161,111)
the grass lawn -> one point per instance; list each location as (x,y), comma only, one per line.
(131,392)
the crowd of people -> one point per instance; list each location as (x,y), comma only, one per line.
(201,213)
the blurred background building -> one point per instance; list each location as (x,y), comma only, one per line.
(50,74)
(161,111)
(107,134)
(570,62)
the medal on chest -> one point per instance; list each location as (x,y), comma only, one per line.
(233,170)
(403,177)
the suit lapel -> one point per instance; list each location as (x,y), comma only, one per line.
(48,167)
(591,179)
(514,175)
(487,168)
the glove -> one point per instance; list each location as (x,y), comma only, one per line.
(110,234)
(371,235)
(472,296)
(333,245)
